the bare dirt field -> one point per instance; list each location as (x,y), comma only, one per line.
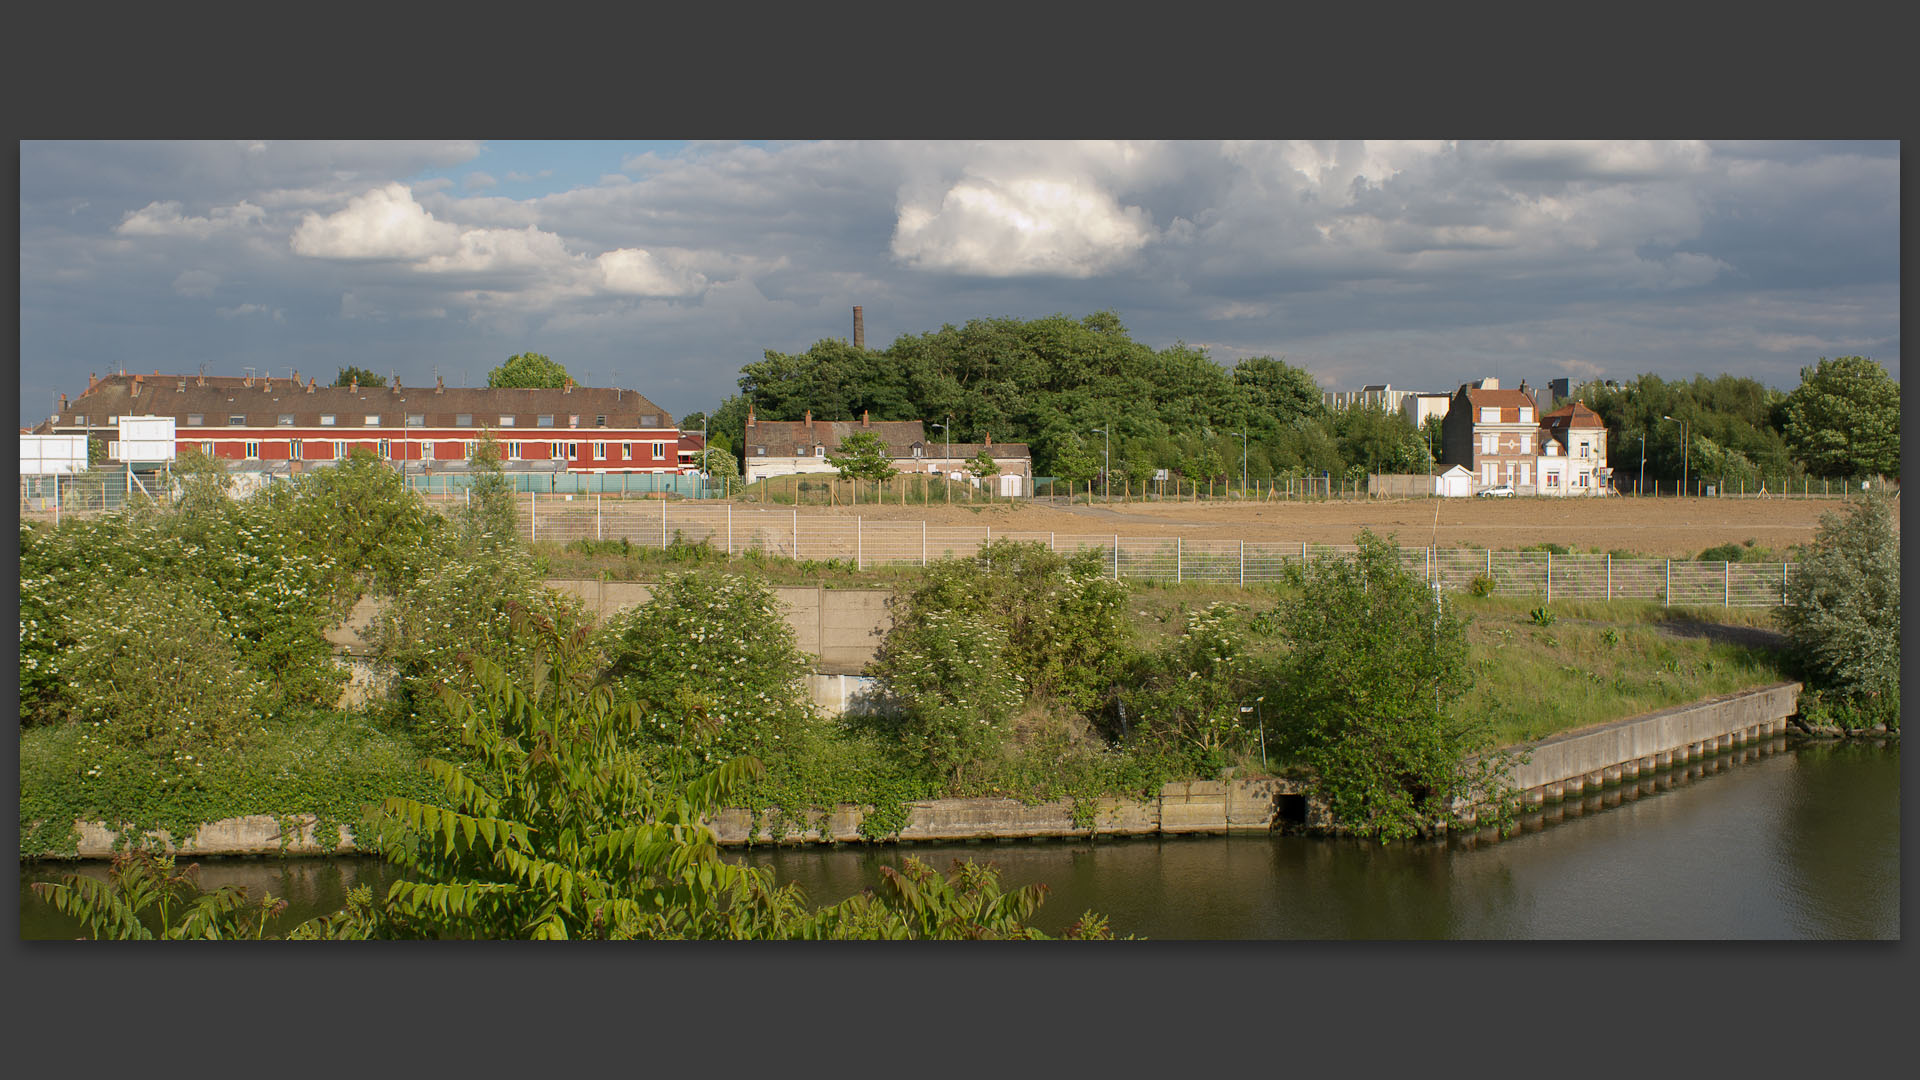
(1665,528)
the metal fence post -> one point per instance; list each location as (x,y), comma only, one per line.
(1783,584)
(859,533)
(599,523)
(1609,576)
(1116,556)
(1549,577)
(533,515)
(1176,559)
(796,534)
(923,543)
(1243,555)
(1726,584)
(1666,595)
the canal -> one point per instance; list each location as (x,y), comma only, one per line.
(1790,839)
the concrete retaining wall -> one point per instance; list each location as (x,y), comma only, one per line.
(1569,763)
(1558,767)
(840,628)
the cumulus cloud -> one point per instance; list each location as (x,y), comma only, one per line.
(1036,225)
(637,272)
(384,223)
(276,314)
(478,181)
(166,219)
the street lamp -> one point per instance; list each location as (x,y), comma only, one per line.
(1106,464)
(1683,452)
(1243,461)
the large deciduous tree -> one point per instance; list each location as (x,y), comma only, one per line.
(350,376)
(1844,419)
(528,370)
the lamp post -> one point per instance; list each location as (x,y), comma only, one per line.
(1683,452)
(1106,464)
(1243,461)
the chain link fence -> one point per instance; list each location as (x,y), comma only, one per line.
(562,519)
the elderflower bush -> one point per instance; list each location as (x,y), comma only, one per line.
(953,688)
(152,664)
(714,666)
(1192,694)
(463,609)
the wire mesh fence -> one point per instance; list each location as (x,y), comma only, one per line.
(788,533)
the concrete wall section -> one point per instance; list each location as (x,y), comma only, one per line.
(1625,748)
(841,628)
(256,834)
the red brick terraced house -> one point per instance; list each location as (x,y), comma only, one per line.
(274,420)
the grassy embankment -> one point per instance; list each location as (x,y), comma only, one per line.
(1591,663)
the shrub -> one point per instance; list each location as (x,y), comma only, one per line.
(1842,615)
(712,662)
(1376,666)
(1191,695)
(953,688)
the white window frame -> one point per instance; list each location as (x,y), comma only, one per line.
(573,451)
(295,450)
(206,447)
(386,449)
(373,419)
(196,420)
(284,419)
(543,421)
(326,419)
(513,451)
(416,420)
(1526,415)
(1490,414)
(554,451)
(626,451)
(233,419)
(1489,443)
(252,450)
(463,419)
(660,451)
(506,421)
(600,451)
(341,451)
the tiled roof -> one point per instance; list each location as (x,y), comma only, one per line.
(262,403)
(1504,399)
(780,437)
(1574,414)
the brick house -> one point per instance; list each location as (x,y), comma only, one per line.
(787,447)
(269,421)
(1494,433)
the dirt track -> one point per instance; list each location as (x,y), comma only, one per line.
(1667,528)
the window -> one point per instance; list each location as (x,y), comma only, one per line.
(253,450)
(196,420)
(468,447)
(819,451)
(386,448)
(600,451)
(513,451)
(464,419)
(546,421)
(1553,479)
(759,451)
(1526,444)
(599,421)
(373,419)
(416,419)
(1585,479)
(207,448)
(1584,448)
(573,420)
(506,421)
(294,450)
(660,451)
(553,451)
(1490,414)
(626,451)
(799,451)
(339,450)
(113,450)
(573,451)
(1489,444)
(650,420)
(1526,415)
(326,419)
(286,419)
(916,449)
(234,420)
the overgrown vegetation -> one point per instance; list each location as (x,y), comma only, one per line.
(1843,618)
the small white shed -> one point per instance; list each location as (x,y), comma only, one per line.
(1455,483)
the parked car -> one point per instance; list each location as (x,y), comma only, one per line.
(1504,491)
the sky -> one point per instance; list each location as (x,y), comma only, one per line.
(663,267)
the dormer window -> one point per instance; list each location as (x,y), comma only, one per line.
(373,419)
(237,420)
(464,419)
(546,421)
(916,449)
(599,421)
(286,419)
(1489,414)
(819,451)
(326,419)
(506,421)
(1526,415)
(416,419)
(196,420)
(650,420)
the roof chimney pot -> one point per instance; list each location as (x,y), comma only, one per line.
(864,422)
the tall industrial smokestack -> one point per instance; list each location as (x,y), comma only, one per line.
(859,329)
